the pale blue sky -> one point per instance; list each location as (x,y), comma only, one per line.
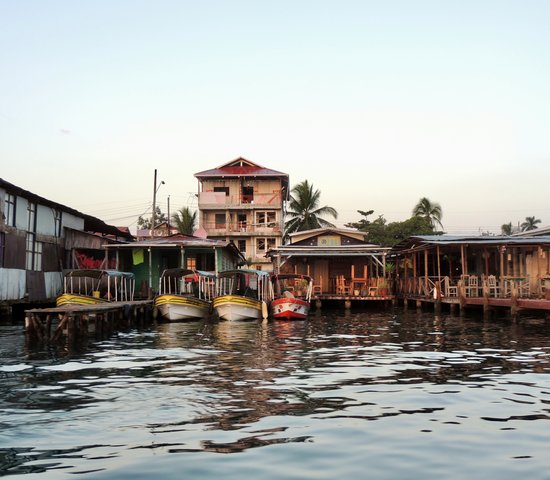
(376,103)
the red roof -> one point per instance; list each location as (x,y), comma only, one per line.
(240,167)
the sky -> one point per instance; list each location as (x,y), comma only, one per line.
(377,103)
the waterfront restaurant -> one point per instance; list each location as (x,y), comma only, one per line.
(508,271)
(343,266)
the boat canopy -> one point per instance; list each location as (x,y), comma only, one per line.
(245,282)
(109,284)
(184,281)
(182,272)
(93,273)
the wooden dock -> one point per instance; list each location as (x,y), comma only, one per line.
(350,299)
(77,321)
(513,304)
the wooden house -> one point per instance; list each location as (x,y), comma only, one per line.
(151,257)
(243,202)
(40,238)
(509,271)
(341,263)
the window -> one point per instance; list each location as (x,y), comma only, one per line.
(31,217)
(2,246)
(57,222)
(266,219)
(222,189)
(191,262)
(9,201)
(37,263)
(248,195)
(241,220)
(220,220)
(264,244)
(241,244)
(30,251)
(33,248)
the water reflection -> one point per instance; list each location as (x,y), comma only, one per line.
(261,387)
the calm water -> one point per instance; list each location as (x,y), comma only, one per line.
(365,395)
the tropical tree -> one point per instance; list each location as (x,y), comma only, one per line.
(380,232)
(529,224)
(507,229)
(431,211)
(304,210)
(145,222)
(184,220)
(362,224)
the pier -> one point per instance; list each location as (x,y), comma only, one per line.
(497,272)
(73,322)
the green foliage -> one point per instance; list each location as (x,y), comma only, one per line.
(507,229)
(304,210)
(363,223)
(529,224)
(184,220)
(145,223)
(429,210)
(379,232)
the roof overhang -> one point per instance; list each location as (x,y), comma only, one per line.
(335,251)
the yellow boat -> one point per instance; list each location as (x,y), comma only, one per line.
(94,286)
(185,294)
(242,295)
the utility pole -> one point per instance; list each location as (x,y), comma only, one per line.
(168,221)
(154,203)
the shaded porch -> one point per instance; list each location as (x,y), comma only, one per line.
(489,271)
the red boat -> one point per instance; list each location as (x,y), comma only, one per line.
(292,296)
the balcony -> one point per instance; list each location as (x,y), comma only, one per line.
(242,229)
(217,200)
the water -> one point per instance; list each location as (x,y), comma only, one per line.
(364,395)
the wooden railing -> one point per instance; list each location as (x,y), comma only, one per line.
(472,286)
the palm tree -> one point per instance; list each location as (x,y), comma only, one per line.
(529,224)
(507,229)
(304,210)
(184,220)
(430,211)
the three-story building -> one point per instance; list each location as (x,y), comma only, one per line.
(243,202)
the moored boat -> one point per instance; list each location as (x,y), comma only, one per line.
(95,286)
(242,295)
(292,296)
(185,294)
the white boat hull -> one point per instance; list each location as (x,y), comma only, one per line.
(178,307)
(235,307)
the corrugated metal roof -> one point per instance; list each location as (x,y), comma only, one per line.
(334,251)
(91,224)
(326,230)
(416,241)
(232,169)
(178,241)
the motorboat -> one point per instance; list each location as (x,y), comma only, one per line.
(95,286)
(185,294)
(292,296)
(243,295)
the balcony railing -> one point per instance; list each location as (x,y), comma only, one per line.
(270,229)
(220,199)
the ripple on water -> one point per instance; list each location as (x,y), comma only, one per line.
(365,395)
